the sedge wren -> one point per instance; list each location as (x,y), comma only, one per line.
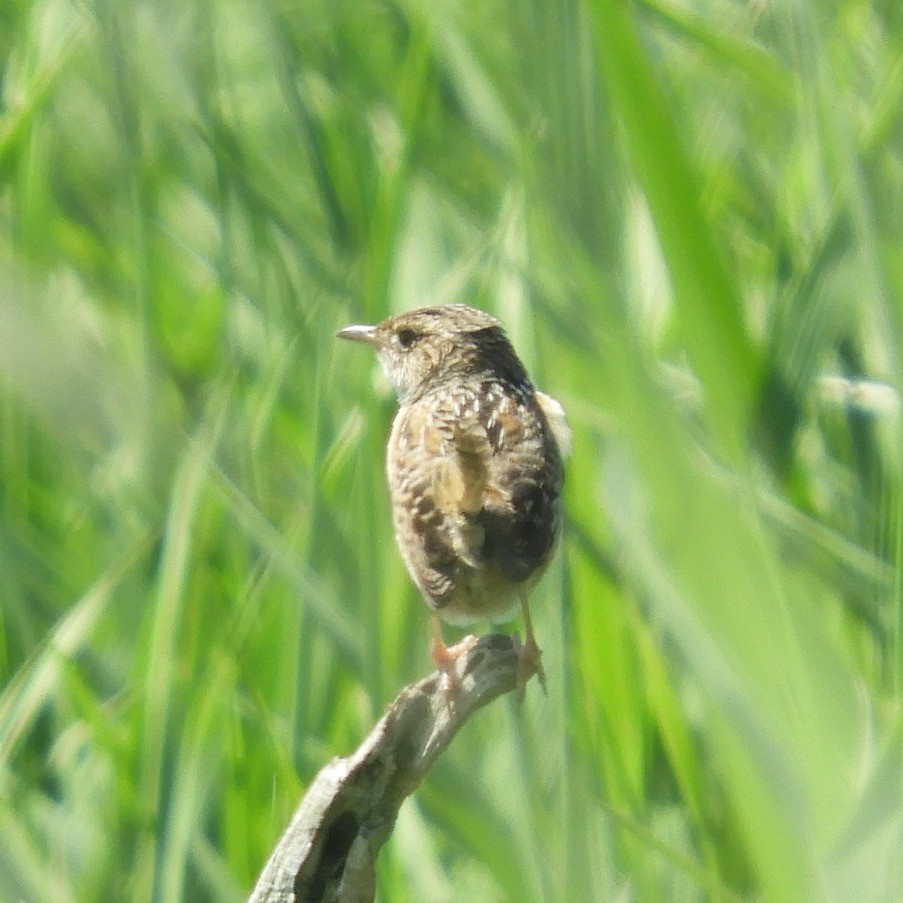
(474,465)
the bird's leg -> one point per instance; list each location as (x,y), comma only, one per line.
(446,656)
(529,655)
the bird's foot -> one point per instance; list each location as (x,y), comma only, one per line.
(445,658)
(529,662)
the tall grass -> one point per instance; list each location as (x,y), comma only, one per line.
(688,216)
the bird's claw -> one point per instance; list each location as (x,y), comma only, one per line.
(445,658)
(529,662)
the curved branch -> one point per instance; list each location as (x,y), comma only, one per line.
(328,852)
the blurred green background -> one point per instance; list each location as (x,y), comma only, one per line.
(688,215)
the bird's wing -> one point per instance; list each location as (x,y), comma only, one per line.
(520,513)
(431,488)
(476,482)
(499,485)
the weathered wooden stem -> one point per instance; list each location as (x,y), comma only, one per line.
(328,852)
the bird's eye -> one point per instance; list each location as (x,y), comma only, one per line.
(406,337)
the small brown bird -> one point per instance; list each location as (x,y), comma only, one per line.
(474,465)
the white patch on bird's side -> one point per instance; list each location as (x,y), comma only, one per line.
(557,420)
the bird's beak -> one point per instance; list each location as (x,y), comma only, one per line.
(365,334)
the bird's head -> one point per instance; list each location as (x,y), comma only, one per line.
(421,349)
